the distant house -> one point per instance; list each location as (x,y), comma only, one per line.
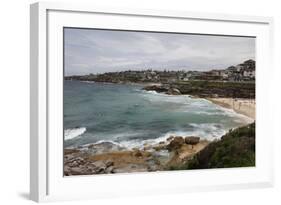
(231,68)
(224,74)
(251,64)
(239,67)
(249,73)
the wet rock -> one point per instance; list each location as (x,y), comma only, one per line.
(170,138)
(159,147)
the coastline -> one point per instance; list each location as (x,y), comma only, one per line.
(121,83)
(243,106)
(173,153)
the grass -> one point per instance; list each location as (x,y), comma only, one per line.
(235,149)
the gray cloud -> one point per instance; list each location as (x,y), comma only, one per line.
(98,51)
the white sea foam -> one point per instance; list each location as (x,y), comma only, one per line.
(72,133)
(208,131)
(152,92)
(85,81)
(239,117)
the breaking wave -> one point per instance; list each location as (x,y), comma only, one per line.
(72,133)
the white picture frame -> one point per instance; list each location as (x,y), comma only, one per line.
(46,178)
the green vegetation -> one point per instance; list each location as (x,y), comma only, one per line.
(235,149)
(216,88)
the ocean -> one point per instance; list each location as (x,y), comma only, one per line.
(132,117)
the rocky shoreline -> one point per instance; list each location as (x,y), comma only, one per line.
(177,152)
(245,106)
(207,89)
(109,158)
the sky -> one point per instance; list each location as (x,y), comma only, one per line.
(99,51)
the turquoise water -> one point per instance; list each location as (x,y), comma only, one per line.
(125,114)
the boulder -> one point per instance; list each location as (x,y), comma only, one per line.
(173,91)
(175,143)
(192,140)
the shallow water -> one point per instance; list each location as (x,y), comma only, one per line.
(125,114)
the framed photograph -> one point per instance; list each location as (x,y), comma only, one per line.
(128,102)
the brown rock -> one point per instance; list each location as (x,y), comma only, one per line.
(173,91)
(170,138)
(175,144)
(192,140)
(137,153)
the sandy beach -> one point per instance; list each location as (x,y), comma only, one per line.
(243,106)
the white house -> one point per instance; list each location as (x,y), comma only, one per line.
(249,73)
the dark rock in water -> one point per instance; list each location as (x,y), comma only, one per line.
(170,138)
(157,88)
(175,144)
(192,140)
(173,91)
(163,89)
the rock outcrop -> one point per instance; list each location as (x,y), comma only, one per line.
(206,89)
(173,91)
(108,158)
(192,140)
(175,143)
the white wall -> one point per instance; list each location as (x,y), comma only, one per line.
(14,107)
